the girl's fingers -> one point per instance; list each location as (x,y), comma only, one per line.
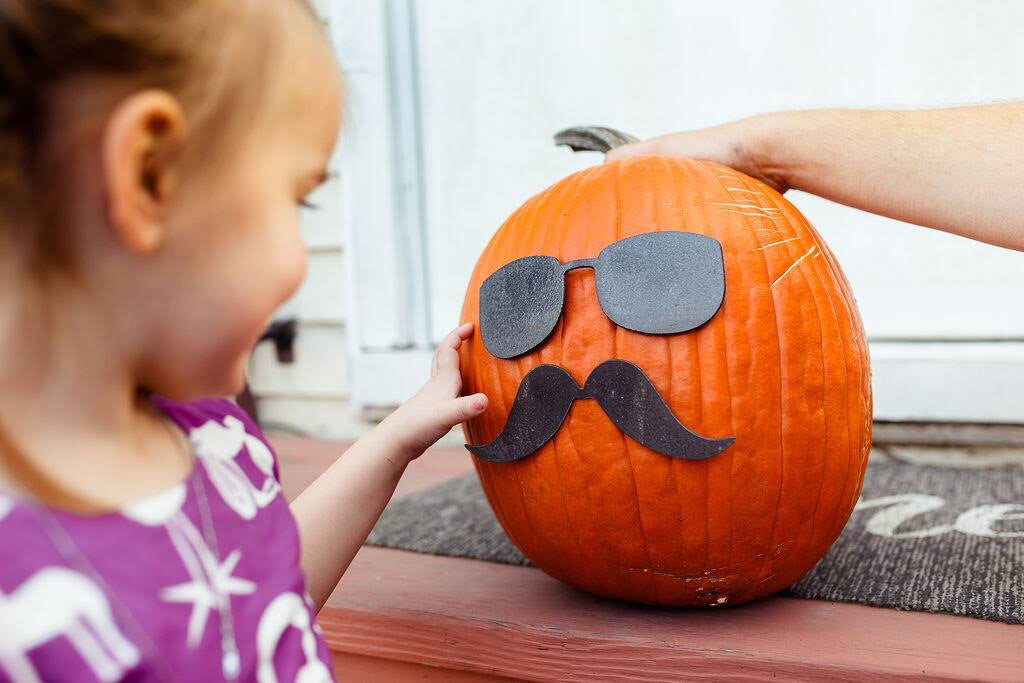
(456,336)
(446,360)
(446,357)
(450,343)
(466,408)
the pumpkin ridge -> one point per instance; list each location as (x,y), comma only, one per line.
(613,557)
(798,276)
(801,271)
(855,478)
(700,384)
(853,325)
(652,584)
(732,460)
(678,171)
(782,413)
(585,562)
(821,485)
(576,182)
(820,243)
(676,465)
(676,559)
(711,228)
(755,237)
(846,420)
(535,538)
(554,561)
(498,489)
(864,359)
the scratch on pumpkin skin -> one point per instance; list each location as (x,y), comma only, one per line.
(794,265)
(749,212)
(777,243)
(745,203)
(764,209)
(688,578)
(773,232)
(740,189)
(754,214)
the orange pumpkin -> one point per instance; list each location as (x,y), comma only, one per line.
(782,367)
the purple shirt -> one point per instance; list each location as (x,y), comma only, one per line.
(153,592)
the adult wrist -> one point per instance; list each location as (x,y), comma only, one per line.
(764,147)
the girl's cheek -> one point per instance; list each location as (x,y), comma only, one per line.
(295,269)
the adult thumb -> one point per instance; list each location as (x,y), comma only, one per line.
(632,149)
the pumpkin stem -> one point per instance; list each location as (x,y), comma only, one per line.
(592,138)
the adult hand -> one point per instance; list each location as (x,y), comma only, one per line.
(741,145)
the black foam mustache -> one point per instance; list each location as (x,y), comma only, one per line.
(625,394)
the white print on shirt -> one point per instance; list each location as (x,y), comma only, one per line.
(212,583)
(156,510)
(312,608)
(284,611)
(6,504)
(56,602)
(217,445)
(977,521)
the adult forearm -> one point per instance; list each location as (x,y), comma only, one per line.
(959,170)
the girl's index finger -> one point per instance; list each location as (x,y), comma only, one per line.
(456,336)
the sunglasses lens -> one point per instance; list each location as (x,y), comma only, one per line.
(520,305)
(661,282)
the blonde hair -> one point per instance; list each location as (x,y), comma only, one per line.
(181,46)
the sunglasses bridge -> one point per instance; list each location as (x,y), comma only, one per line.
(580,263)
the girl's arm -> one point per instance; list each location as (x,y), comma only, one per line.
(959,170)
(338,510)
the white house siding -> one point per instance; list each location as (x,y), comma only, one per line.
(367,320)
(495,80)
(312,394)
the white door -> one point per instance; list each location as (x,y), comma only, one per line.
(453,104)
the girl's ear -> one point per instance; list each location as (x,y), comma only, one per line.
(141,151)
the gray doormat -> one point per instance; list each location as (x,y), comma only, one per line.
(922,538)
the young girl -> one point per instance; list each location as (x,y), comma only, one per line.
(153,158)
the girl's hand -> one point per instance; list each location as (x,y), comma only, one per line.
(437,407)
(741,144)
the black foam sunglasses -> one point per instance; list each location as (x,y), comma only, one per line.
(656,282)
